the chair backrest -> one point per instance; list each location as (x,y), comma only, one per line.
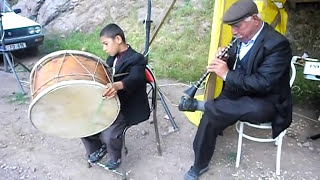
(149,77)
(293,73)
(149,74)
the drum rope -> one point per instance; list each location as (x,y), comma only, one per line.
(106,71)
(63,59)
(32,88)
(81,65)
(74,74)
(95,70)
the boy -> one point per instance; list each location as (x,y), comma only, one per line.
(130,86)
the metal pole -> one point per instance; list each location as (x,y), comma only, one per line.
(6,57)
(147,26)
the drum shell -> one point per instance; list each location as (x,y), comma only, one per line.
(66,88)
(59,66)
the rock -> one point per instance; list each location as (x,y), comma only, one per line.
(144,132)
(2,146)
(307,144)
(170,130)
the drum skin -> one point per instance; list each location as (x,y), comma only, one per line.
(66,88)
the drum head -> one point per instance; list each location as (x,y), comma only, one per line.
(73,109)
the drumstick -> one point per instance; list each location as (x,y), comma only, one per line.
(98,110)
(100,104)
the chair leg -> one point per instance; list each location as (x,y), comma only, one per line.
(123,138)
(239,143)
(279,140)
(155,120)
(155,123)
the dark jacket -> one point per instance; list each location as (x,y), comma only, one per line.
(133,98)
(267,75)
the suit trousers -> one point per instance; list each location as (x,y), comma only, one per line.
(110,137)
(222,113)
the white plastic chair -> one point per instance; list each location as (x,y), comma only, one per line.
(277,140)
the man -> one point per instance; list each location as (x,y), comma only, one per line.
(256,89)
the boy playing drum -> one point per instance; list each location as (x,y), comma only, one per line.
(130,86)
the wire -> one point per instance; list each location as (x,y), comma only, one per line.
(172,84)
(305,117)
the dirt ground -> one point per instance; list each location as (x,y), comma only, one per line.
(26,153)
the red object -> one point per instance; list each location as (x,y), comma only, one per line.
(149,76)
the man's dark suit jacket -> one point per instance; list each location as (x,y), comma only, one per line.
(267,75)
(133,98)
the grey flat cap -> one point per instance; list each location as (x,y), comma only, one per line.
(239,11)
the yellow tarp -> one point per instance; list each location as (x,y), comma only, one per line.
(221,35)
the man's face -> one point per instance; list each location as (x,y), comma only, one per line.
(110,45)
(245,29)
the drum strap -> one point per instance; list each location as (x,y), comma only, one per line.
(120,74)
(114,66)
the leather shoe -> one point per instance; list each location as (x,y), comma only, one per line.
(97,155)
(188,104)
(193,175)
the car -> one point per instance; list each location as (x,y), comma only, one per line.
(19,32)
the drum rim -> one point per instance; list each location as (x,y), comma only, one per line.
(63,84)
(57,53)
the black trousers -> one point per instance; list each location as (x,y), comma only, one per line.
(111,137)
(222,113)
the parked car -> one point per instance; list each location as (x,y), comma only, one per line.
(19,32)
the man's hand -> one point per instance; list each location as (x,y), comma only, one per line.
(112,89)
(219,66)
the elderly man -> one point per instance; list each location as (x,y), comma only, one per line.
(256,89)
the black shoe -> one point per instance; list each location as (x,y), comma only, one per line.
(97,155)
(112,165)
(193,175)
(188,104)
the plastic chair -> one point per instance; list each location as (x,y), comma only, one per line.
(278,140)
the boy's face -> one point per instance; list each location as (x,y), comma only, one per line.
(111,45)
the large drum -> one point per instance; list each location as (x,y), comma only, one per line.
(66,89)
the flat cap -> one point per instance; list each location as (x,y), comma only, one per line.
(239,11)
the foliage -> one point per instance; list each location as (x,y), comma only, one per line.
(177,47)
(231,158)
(305,92)
(12,2)
(18,98)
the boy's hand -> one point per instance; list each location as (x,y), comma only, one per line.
(112,89)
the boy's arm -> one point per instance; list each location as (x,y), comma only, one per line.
(112,89)
(136,77)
